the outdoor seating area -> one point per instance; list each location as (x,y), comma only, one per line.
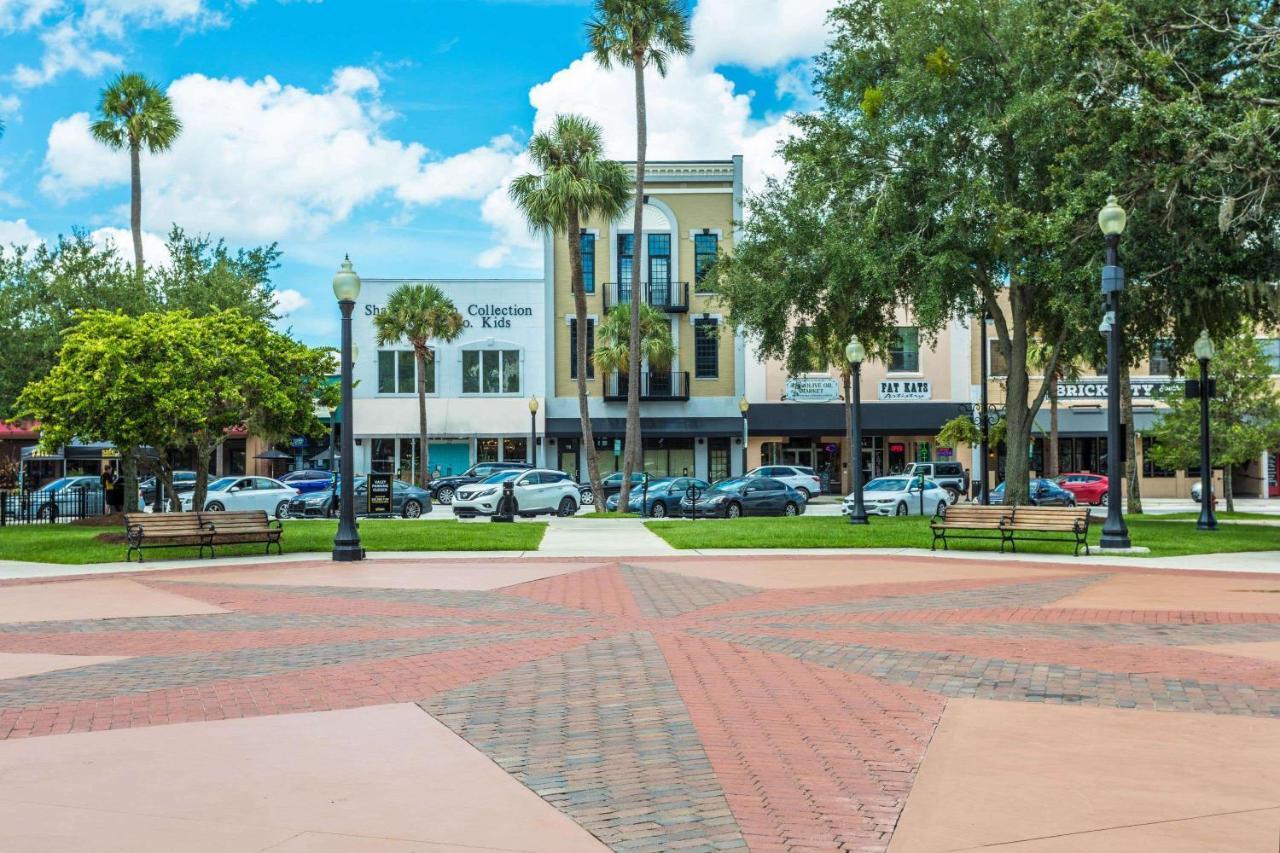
(1010,524)
(200,529)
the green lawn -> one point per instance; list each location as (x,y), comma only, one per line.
(1164,538)
(1221,516)
(63,543)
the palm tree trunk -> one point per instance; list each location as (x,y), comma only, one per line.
(583,357)
(420,355)
(1133,500)
(135,206)
(634,380)
(1051,464)
(1226,488)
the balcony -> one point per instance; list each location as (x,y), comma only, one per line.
(669,296)
(654,385)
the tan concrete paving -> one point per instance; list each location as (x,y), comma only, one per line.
(1180,592)
(403,574)
(16,665)
(93,599)
(1261,651)
(1066,777)
(1232,833)
(337,780)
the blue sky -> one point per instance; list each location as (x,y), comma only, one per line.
(384,129)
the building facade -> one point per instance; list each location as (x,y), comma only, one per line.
(689,408)
(478,387)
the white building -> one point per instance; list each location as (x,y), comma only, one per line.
(478,387)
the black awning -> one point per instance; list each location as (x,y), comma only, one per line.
(816,419)
(669,427)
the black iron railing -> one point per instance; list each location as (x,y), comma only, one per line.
(669,296)
(28,507)
(654,385)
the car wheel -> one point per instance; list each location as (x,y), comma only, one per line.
(659,510)
(47,512)
(953,495)
(1071,501)
(282,509)
(214,506)
(791,510)
(588,497)
(1105,500)
(331,511)
(901,510)
(804,493)
(412,509)
(733,510)
(942,508)
(445,495)
(567,507)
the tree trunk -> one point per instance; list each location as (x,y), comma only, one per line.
(1133,500)
(1226,488)
(583,359)
(855,453)
(632,451)
(203,450)
(129,475)
(1018,416)
(420,355)
(1051,464)
(135,206)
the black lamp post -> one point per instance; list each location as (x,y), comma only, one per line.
(1111,219)
(855,352)
(744,407)
(985,425)
(533,429)
(1205,351)
(346,545)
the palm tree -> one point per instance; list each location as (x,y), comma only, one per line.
(575,183)
(613,342)
(135,113)
(419,313)
(638,33)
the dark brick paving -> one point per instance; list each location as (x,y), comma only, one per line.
(660,711)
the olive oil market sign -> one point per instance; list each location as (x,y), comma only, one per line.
(812,389)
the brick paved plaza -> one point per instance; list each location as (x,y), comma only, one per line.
(812,703)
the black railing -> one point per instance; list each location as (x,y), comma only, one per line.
(669,296)
(661,385)
(19,507)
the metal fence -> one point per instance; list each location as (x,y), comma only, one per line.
(19,507)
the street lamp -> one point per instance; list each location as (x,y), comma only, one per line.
(533,429)
(985,426)
(1111,219)
(744,406)
(855,352)
(1205,351)
(346,545)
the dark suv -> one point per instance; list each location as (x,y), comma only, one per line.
(443,488)
(949,475)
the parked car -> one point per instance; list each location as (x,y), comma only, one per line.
(242,493)
(60,497)
(407,500)
(741,496)
(183,482)
(539,491)
(1088,488)
(309,480)
(798,477)
(900,496)
(1042,493)
(661,499)
(444,488)
(951,476)
(612,485)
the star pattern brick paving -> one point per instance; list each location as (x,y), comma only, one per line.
(658,709)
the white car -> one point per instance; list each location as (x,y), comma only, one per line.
(798,477)
(900,496)
(539,491)
(241,493)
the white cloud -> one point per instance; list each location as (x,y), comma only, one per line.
(17,232)
(758,34)
(289,300)
(66,48)
(9,104)
(155,252)
(469,175)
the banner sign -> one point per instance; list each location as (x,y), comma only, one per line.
(1096,389)
(910,389)
(812,389)
(379,494)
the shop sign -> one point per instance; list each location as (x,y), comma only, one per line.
(812,389)
(479,315)
(912,389)
(1096,389)
(379,494)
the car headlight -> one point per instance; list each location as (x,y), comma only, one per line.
(486,492)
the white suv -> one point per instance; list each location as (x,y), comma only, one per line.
(798,477)
(539,491)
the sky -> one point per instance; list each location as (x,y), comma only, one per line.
(386,129)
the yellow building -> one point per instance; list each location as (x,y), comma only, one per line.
(689,409)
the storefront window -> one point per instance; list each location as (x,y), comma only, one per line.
(717,458)
(491,372)
(515,449)
(668,457)
(407,467)
(568,456)
(1149,468)
(382,455)
(397,373)
(608,460)
(487,450)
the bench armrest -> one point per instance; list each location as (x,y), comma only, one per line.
(277,522)
(134,533)
(1081,525)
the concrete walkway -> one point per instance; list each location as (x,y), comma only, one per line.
(615,537)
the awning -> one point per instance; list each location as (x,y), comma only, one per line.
(818,419)
(663,427)
(1090,421)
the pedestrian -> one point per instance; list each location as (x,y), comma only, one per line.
(109,484)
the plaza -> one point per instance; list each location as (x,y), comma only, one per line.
(652,703)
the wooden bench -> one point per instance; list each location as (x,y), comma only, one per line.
(165,530)
(972,517)
(232,528)
(1070,520)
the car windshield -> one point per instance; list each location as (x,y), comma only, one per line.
(60,483)
(223,484)
(503,476)
(887,485)
(731,485)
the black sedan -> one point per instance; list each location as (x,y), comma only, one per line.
(661,499)
(745,496)
(444,488)
(1041,493)
(407,500)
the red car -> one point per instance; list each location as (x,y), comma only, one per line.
(1088,488)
